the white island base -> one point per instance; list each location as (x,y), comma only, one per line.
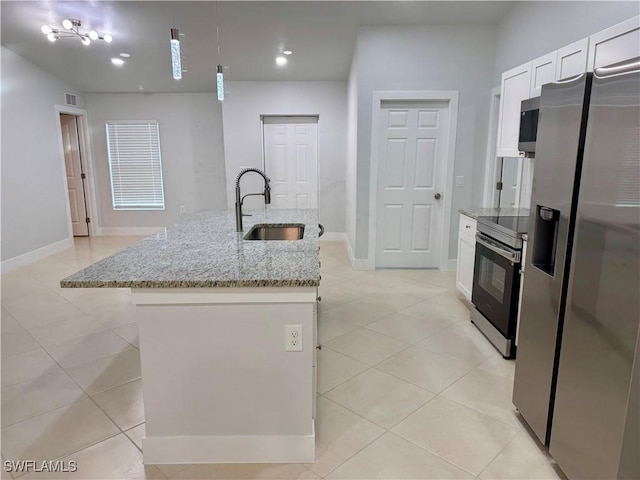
(218,383)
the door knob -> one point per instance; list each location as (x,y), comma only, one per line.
(437,196)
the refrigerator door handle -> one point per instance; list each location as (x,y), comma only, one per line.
(503,252)
(602,72)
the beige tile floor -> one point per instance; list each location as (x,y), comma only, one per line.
(408,388)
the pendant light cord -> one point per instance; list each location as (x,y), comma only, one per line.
(218,31)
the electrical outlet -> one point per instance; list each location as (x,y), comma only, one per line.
(183,209)
(293,338)
(460,181)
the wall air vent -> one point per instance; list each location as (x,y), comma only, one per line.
(70,99)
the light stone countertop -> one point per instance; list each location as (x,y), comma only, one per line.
(204,251)
(491,212)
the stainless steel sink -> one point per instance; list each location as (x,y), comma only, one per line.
(284,231)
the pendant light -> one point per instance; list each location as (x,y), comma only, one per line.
(176,54)
(219,68)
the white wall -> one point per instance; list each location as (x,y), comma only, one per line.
(532,29)
(242,107)
(191,146)
(34,197)
(352,151)
(434,57)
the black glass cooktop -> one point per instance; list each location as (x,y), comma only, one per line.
(517,224)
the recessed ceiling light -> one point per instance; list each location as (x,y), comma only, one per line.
(281,61)
(125,55)
(117,61)
(287,52)
(141,88)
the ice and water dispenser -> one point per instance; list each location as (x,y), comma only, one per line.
(546,239)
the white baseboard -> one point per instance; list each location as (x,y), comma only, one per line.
(128,230)
(229,449)
(334,237)
(358,263)
(35,255)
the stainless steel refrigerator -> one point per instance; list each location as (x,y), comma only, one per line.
(576,381)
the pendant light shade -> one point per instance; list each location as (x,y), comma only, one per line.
(176,55)
(220,82)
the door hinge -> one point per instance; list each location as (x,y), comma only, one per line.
(83,176)
(499,186)
(88,220)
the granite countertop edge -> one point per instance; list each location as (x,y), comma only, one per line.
(187,283)
(482,212)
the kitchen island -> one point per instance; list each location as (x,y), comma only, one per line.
(219,385)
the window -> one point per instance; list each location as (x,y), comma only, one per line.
(135,165)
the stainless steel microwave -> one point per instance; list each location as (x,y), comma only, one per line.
(529,111)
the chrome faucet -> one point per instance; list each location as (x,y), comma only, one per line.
(240,199)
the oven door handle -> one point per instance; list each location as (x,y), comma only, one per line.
(509,255)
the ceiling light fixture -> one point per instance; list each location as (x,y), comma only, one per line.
(117,61)
(125,55)
(287,52)
(72,27)
(176,55)
(281,61)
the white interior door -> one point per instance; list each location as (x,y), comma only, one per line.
(291,160)
(75,180)
(411,175)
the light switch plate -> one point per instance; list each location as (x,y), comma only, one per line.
(460,181)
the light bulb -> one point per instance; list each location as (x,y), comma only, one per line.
(93,35)
(66,23)
(117,61)
(281,61)
(46,29)
(107,38)
(85,40)
(52,37)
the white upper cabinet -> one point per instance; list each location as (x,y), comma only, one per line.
(543,70)
(614,45)
(515,87)
(572,59)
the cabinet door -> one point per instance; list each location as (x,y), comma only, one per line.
(572,59)
(466,260)
(614,45)
(543,70)
(515,88)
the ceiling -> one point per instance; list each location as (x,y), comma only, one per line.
(321,35)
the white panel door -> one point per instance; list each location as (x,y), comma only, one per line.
(291,160)
(412,139)
(75,180)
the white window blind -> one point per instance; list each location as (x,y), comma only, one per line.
(135,165)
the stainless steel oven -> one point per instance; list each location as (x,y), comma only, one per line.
(496,281)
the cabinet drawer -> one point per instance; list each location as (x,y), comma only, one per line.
(467,226)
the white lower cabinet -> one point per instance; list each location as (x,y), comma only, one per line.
(466,255)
